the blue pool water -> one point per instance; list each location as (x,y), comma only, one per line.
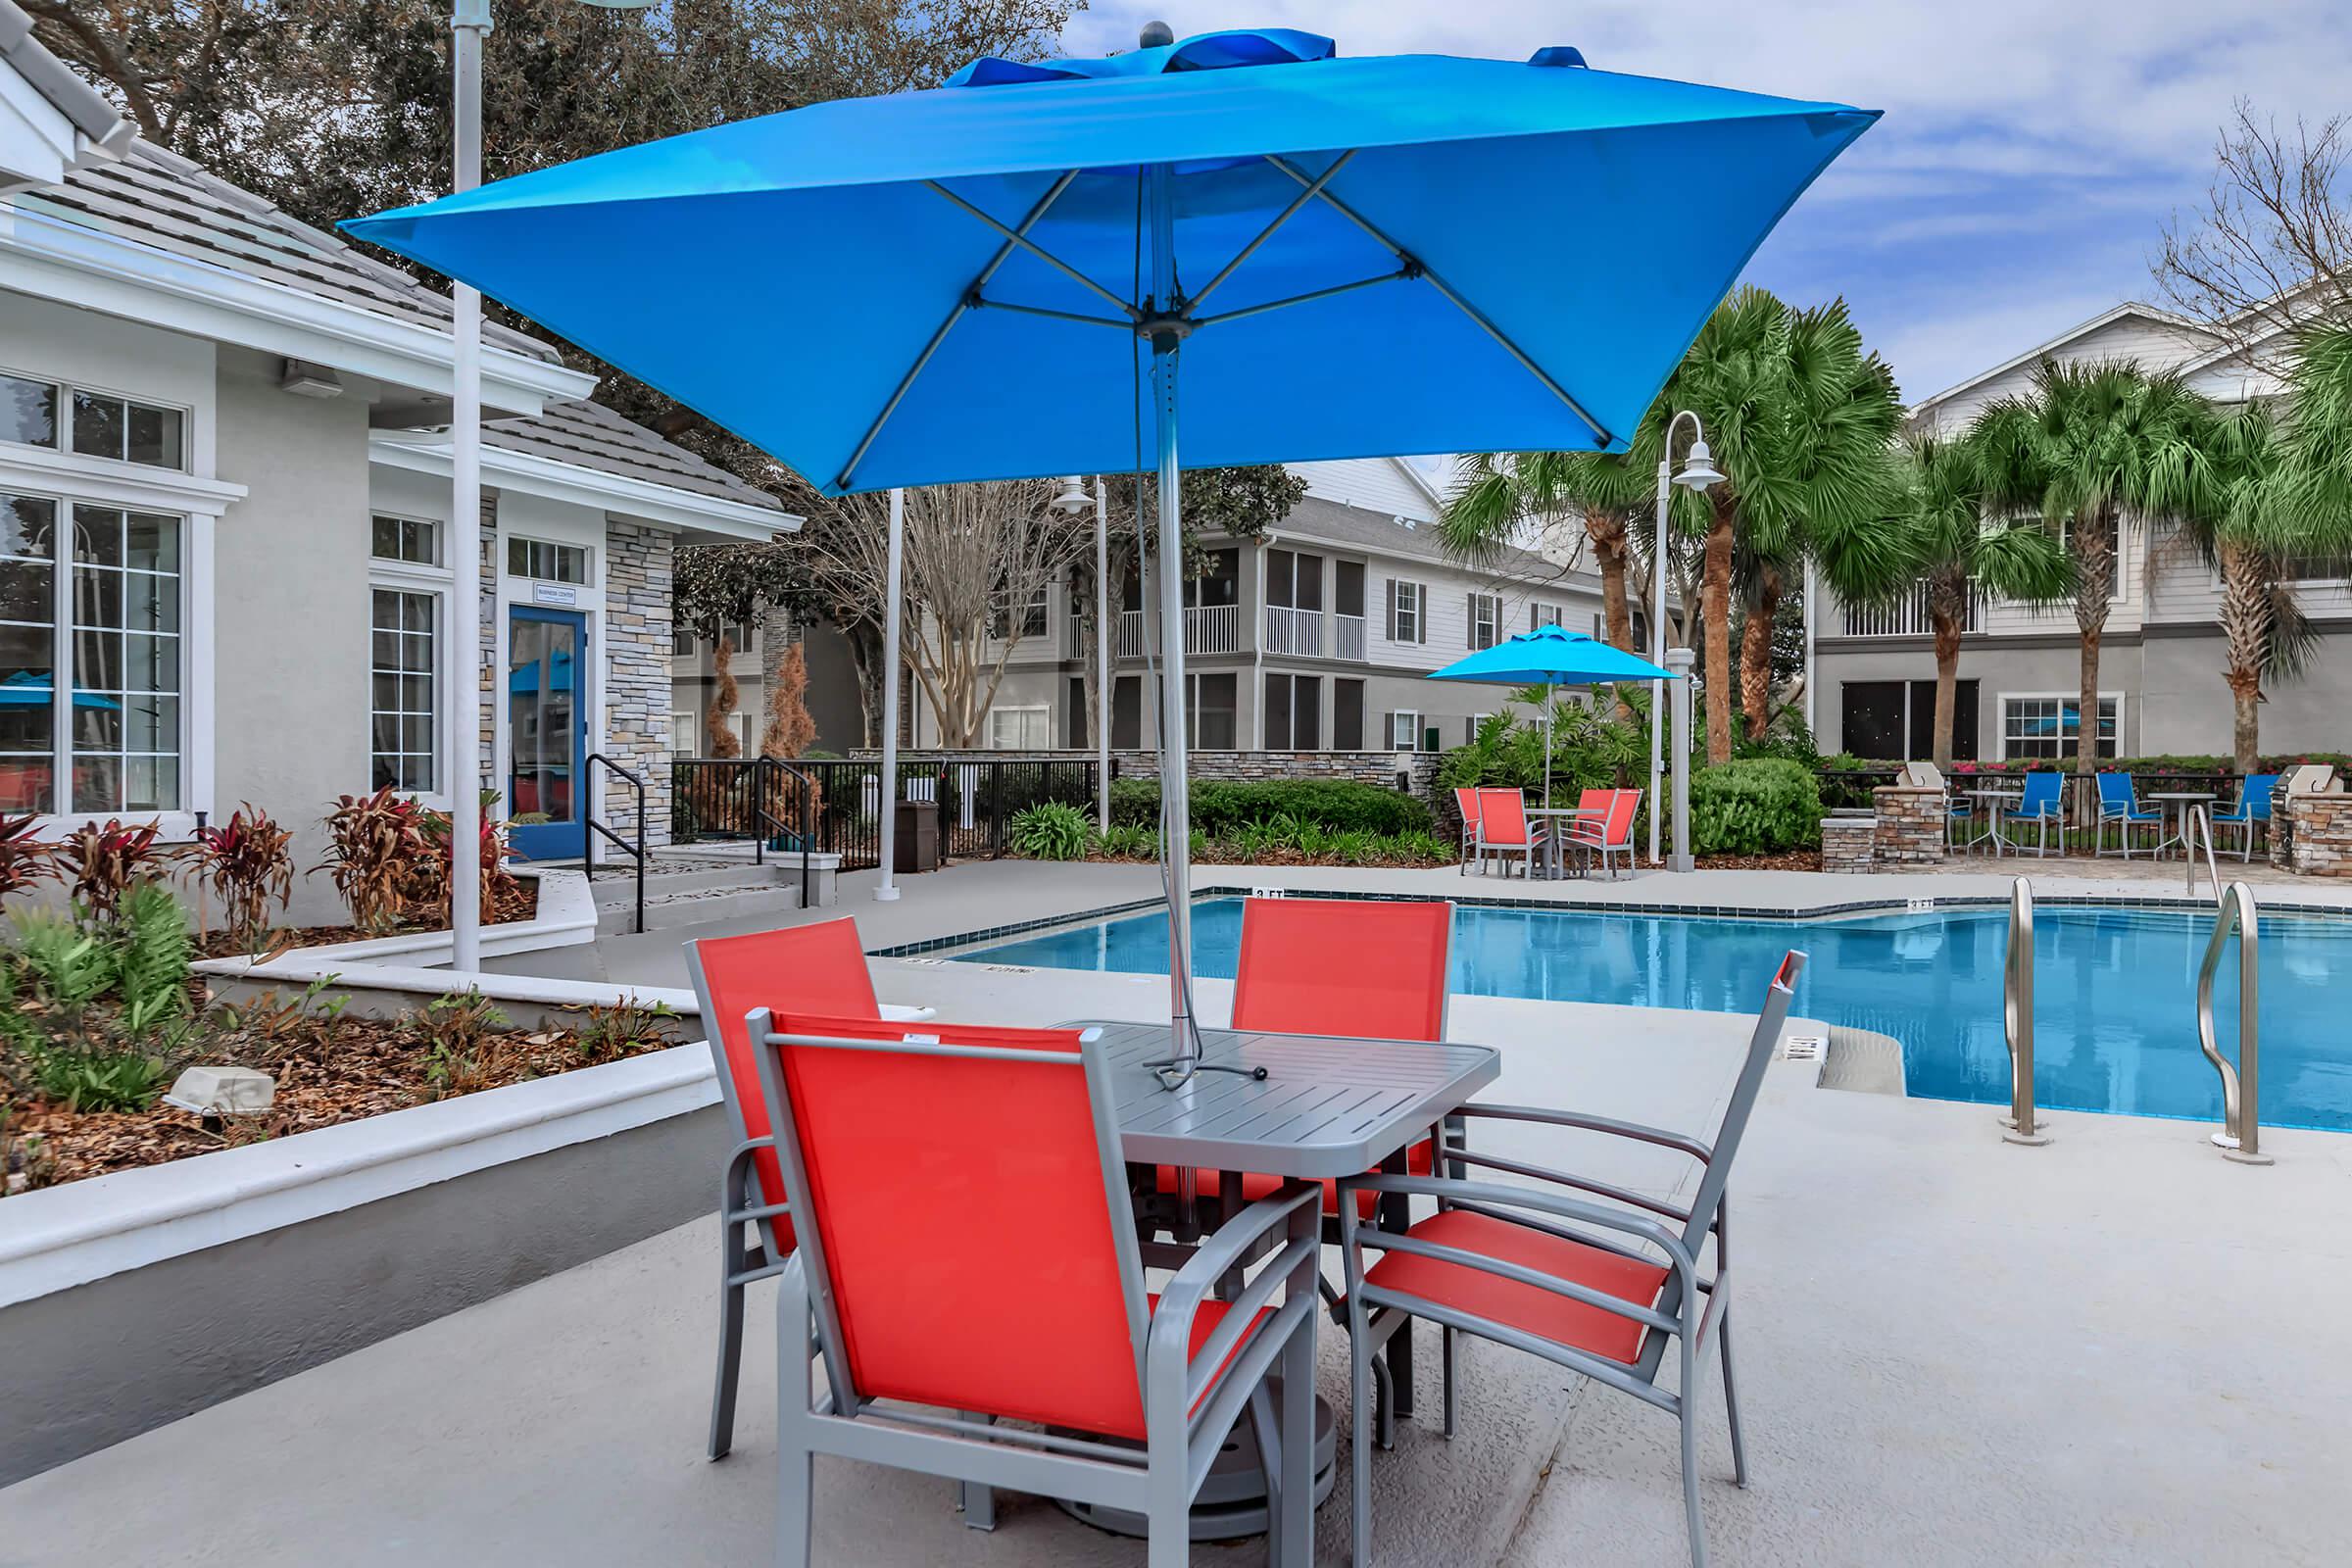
(2115,1017)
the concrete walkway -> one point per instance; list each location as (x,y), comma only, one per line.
(2118,1348)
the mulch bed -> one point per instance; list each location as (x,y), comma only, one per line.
(520,901)
(1783,860)
(328,1070)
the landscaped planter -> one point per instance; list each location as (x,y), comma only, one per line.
(133,1299)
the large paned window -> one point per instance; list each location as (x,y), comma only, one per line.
(1485,620)
(539,560)
(1019,730)
(2048,728)
(127,660)
(401,707)
(1210,716)
(91,425)
(1409,620)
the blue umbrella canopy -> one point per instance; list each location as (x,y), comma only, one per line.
(1360,257)
(1551,656)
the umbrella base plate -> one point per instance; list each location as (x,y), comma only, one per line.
(1233,1499)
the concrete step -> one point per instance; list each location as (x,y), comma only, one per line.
(669,911)
(615,885)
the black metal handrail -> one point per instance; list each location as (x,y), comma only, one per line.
(636,850)
(765,822)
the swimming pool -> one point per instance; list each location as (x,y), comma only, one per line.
(2115,1015)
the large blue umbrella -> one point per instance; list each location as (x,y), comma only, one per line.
(1550,657)
(1351,257)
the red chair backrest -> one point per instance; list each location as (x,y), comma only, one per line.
(1466,801)
(964,1221)
(1592,808)
(808,968)
(1624,806)
(1502,816)
(1369,968)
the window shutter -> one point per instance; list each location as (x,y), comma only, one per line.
(1391,593)
(1421,616)
(1470,625)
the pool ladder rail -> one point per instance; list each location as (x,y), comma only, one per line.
(2240,1136)
(2196,832)
(2020,1126)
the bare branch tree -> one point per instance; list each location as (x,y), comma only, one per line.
(2271,246)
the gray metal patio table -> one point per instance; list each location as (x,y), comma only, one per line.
(1330,1106)
(1993,800)
(1561,819)
(2178,802)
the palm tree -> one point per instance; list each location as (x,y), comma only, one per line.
(1940,539)
(1494,494)
(2087,449)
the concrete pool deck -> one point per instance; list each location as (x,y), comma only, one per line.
(2118,1348)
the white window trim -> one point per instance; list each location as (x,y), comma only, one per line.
(1491,605)
(1040,712)
(411,576)
(1412,731)
(2001,719)
(588,562)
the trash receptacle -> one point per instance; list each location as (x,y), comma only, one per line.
(916,837)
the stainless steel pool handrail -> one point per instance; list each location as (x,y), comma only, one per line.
(2017,1018)
(2196,819)
(2240,1136)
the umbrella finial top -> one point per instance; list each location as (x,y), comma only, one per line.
(1157,35)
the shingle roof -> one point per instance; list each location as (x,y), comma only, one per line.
(1333,523)
(161,199)
(588,435)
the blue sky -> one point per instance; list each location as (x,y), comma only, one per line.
(2031,153)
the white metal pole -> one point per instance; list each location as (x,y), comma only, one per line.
(471,20)
(1812,608)
(1680,660)
(889,891)
(1102,635)
(1657,641)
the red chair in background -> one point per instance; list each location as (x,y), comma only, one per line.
(1465,802)
(1609,835)
(811,969)
(1503,829)
(892,1143)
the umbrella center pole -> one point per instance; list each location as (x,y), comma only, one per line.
(1175,793)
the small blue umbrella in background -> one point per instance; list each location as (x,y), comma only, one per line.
(1551,657)
(30,689)
(999,277)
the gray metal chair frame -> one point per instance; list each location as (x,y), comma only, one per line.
(1527,852)
(1692,1308)
(1183,1430)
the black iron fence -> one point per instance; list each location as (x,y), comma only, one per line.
(728,799)
(2079,794)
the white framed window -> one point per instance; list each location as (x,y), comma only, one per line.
(1019,730)
(1541,614)
(546,561)
(1032,617)
(411,541)
(98,600)
(38,412)
(1485,620)
(682,641)
(683,733)
(1408,611)
(1405,733)
(403,706)
(2046,726)
(2332,569)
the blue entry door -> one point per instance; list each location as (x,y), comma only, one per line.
(547,731)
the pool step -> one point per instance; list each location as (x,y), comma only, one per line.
(1859,1059)
(676,899)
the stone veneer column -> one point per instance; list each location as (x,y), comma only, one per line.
(1910,826)
(2319,833)
(1846,843)
(638,563)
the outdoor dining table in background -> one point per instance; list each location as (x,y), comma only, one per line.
(1993,799)
(2178,802)
(1562,817)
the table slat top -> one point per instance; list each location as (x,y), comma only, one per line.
(1329,1104)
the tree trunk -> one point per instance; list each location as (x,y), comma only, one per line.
(1755,654)
(1715,601)
(2245,621)
(1611,553)
(2094,592)
(1947,603)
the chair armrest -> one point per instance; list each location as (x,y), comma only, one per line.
(1590,1124)
(1495,1193)
(1171,1331)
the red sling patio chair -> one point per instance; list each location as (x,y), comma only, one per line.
(1600,1289)
(822,969)
(1503,829)
(1610,834)
(1370,968)
(935,1329)
(1465,803)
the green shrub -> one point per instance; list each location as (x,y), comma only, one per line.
(1052,830)
(1756,805)
(1220,806)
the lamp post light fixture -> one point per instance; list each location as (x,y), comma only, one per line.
(469,23)
(1073,500)
(1699,475)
